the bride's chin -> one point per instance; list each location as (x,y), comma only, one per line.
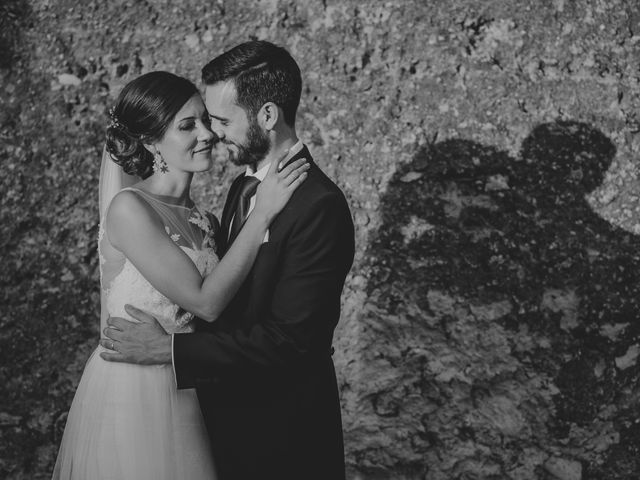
(203,166)
(202,157)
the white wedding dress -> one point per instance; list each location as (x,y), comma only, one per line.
(129,422)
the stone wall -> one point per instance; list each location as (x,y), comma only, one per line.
(487,150)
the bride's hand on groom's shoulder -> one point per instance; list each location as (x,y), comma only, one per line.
(279,184)
(144,343)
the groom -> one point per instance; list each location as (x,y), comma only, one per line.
(263,370)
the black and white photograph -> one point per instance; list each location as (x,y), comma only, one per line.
(320,240)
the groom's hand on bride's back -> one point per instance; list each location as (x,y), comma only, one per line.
(145,343)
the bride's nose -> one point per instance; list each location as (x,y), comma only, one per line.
(205,135)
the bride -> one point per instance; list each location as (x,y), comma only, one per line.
(157,250)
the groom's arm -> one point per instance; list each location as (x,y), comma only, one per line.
(304,310)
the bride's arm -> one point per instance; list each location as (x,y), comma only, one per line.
(136,230)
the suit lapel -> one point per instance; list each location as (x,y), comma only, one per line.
(273,228)
(303,153)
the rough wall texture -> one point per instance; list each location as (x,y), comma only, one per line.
(487,148)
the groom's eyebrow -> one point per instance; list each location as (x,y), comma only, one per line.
(221,119)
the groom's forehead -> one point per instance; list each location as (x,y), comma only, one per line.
(219,94)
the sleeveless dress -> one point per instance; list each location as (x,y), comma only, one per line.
(129,422)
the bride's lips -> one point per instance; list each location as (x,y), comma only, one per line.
(207,148)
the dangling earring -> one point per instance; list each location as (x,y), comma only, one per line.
(159,165)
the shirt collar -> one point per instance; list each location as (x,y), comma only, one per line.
(262,172)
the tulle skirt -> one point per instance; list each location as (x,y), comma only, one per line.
(129,422)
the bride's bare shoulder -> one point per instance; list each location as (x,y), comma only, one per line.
(129,213)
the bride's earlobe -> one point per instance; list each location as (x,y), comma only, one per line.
(149,147)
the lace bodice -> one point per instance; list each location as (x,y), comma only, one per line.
(122,283)
(129,286)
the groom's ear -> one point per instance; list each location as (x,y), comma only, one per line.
(268,116)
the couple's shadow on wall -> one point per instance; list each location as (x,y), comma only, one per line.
(474,222)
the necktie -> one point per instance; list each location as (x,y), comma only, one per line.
(247,190)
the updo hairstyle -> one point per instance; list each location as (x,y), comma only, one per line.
(142,114)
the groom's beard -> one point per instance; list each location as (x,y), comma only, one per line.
(253,150)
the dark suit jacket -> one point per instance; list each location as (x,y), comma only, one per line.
(263,371)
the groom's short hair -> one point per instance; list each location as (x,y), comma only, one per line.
(261,72)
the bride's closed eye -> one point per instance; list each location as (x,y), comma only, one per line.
(187,126)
